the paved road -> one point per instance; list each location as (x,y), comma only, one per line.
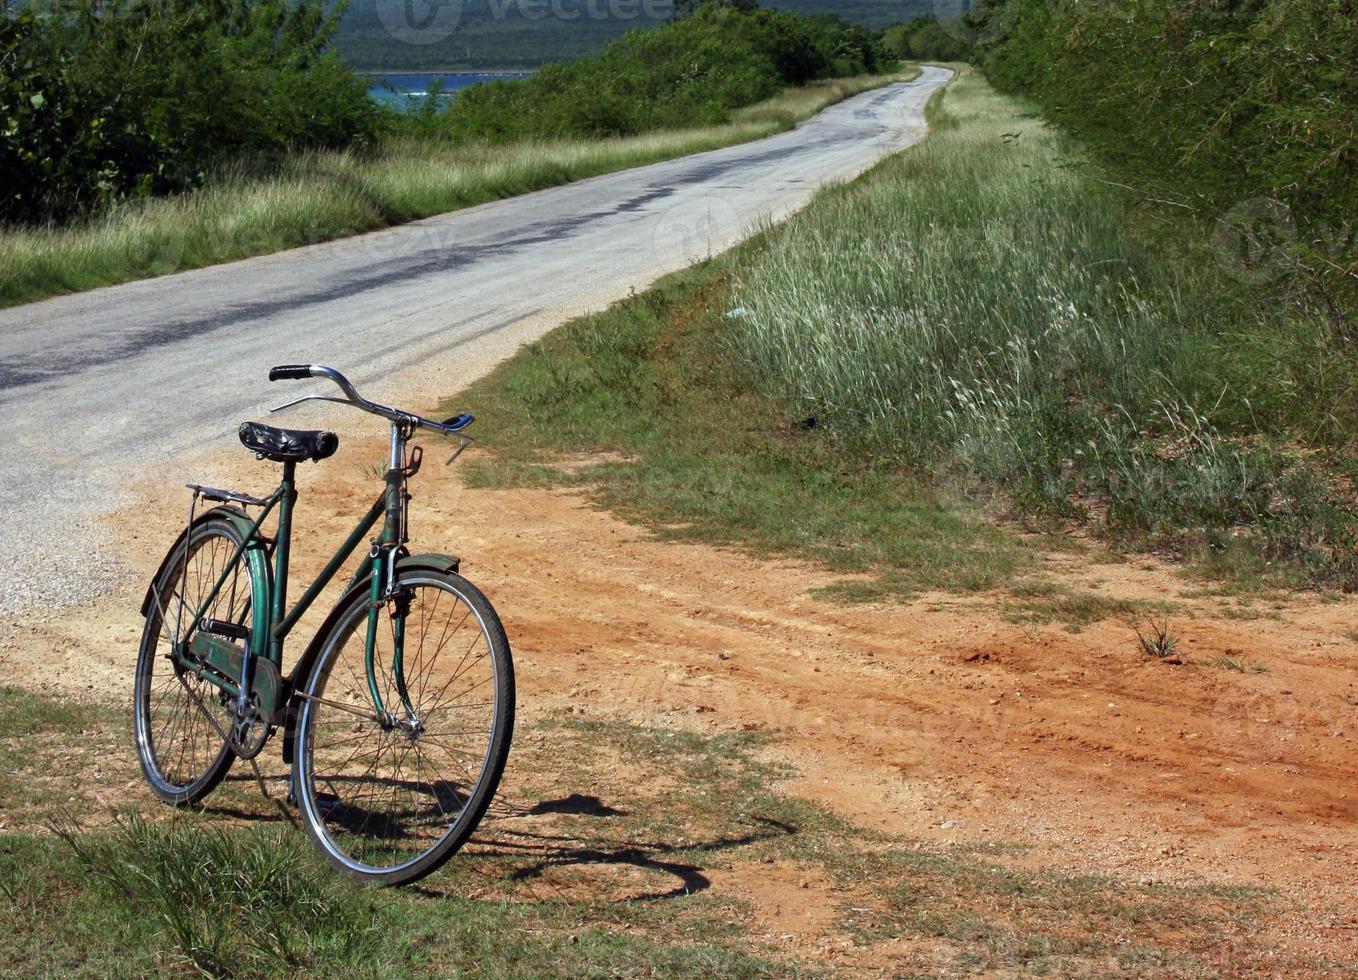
(103,384)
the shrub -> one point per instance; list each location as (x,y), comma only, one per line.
(689,72)
(925,39)
(1224,103)
(107,99)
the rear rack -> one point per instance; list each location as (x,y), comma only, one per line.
(225,496)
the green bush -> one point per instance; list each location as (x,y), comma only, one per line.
(925,39)
(106,99)
(690,72)
(1226,104)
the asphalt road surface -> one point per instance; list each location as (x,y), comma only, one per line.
(99,387)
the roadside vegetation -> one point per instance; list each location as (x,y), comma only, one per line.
(106,100)
(925,38)
(694,71)
(1244,114)
(984,324)
(986,307)
(125,167)
(600,860)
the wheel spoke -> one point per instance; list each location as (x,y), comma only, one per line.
(378,805)
(180,715)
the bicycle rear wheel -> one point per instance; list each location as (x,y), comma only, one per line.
(387,800)
(178,717)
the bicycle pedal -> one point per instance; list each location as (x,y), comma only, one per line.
(234,631)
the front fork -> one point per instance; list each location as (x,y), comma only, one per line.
(384,590)
(384,593)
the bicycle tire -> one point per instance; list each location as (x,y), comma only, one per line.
(346,765)
(183,755)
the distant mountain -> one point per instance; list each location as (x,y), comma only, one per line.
(468,35)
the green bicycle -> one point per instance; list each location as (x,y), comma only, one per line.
(396,718)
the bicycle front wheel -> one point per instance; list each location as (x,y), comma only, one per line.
(388,797)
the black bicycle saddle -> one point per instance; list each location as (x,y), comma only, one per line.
(287,445)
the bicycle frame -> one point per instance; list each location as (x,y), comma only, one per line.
(379,566)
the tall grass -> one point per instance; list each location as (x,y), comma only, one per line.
(320,196)
(239,903)
(984,306)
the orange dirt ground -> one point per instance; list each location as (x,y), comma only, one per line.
(937,718)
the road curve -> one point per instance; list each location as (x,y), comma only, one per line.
(102,384)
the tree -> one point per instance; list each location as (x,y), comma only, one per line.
(687,8)
(105,99)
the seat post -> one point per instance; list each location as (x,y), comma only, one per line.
(281,549)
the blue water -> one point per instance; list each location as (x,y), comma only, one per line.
(408,91)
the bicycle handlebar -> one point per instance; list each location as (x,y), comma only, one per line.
(290,372)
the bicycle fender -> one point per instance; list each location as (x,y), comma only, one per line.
(260,573)
(431,562)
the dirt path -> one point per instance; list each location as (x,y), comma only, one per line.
(941,718)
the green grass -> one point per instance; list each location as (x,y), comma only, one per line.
(1037,601)
(1156,639)
(600,861)
(23,713)
(175,899)
(319,196)
(637,404)
(987,308)
(1238,666)
(35,731)
(237,901)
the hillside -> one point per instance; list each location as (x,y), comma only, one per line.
(483,34)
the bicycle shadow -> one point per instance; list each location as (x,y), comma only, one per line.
(529,843)
(533,854)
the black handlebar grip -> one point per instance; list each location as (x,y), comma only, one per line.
(289,372)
